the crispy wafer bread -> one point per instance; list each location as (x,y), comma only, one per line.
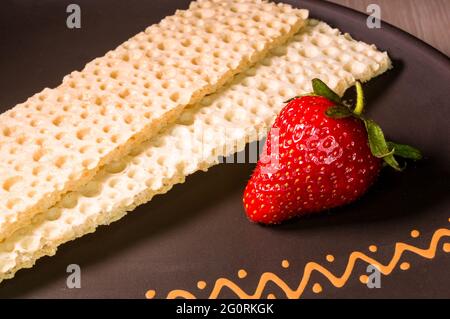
(58,139)
(219,125)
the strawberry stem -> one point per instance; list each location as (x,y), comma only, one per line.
(359,99)
(379,147)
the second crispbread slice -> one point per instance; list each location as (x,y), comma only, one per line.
(57,140)
(222,123)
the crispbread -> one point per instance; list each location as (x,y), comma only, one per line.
(220,124)
(57,140)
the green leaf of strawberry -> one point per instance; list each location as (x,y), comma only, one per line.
(405,151)
(321,89)
(378,144)
(338,112)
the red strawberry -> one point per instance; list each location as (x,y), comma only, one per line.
(319,154)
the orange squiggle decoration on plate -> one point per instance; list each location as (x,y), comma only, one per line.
(337,281)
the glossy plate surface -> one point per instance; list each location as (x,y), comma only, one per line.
(198,232)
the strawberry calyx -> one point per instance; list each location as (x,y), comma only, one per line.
(379,146)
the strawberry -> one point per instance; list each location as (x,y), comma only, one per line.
(319,154)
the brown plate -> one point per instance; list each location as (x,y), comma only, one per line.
(198,232)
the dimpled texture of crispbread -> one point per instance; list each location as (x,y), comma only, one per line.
(219,125)
(57,140)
